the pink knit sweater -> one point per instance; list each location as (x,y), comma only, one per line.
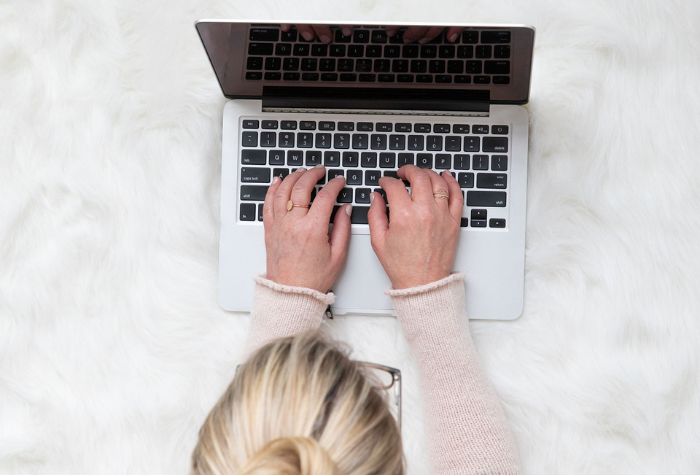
(467,429)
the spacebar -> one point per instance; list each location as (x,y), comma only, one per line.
(496,199)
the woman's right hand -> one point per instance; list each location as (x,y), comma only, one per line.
(418,245)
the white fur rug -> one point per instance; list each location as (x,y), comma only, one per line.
(113,347)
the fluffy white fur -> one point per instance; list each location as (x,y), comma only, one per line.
(113,347)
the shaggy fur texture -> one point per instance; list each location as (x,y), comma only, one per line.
(113,347)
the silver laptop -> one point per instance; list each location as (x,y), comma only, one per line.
(364,105)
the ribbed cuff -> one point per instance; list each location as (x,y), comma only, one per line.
(326,299)
(419,289)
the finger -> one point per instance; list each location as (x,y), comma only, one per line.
(307,32)
(414,33)
(439,187)
(324,33)
(456,201)
(301,191)
(284,190)
(285,27)
(421,188)
(378,222)
(268,206)
(340,236)
(396,192)
(347,30)
(391,30)
(453,33)
(432,33)
(325,199)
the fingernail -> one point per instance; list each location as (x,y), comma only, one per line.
(348,209)
(308,36)
(319,166)
(453,37)
(371,197)
(275,180)
(447,172)
(423,41)
(301,169)
(325,39)
(346,32)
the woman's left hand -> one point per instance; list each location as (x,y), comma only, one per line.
(300,252)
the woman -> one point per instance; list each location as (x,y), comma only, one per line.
(299,405)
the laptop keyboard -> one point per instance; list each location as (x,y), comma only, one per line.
(476,153)
(369,55)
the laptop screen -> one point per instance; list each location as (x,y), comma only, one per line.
(249,59)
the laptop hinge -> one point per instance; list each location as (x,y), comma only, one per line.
(376,100)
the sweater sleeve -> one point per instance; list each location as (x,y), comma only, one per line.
(283,310)
(467,429)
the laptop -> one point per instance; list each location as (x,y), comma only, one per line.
(365,104)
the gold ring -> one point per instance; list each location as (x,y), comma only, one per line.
(290,205)
(442,195)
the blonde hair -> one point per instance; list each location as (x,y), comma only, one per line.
(300,406)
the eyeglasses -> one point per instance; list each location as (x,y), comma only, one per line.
(384,378)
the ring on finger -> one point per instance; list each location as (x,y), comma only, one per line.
(444,194)
(291,204)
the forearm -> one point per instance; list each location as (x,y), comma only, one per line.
(466,425)
(282,310)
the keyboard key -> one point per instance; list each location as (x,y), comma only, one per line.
(480,162)
(264,34)
(479,214)
(313,158)
(286,139)
(499,163)
(345,195)
(323,140)
(362,195)
(350,159)
(382,65)
(460,129)
(455,67)
(368,77)
(482,80)
(331,159)
(424,160)
(363,65)
(446,51)
(253,76)
(281,172)
(290,64)
(463,79)
(346,64)
(495,36)
(397,142)
(453,144)
(289,125)
(384,127)
(441,128)
(466,52)
(247,212)
(273,64)
(326,64)
(480,129)
(291,76)
(424,78)
(464,222)
(254,193)
(443,161)
(346,126)
(276,157)
(295,158)
(354,177)
(487,199)
(497,67)
(478,223)
(372,177)
(470,36)
(300,49)
(419,66)
(329,77)
(369,159)
(386,77)
(499,129)
(260,49)
(268,139)
(260,211)
(283,49)
(379,36)
(406,159)
(461,161)
(501,51)
(472,144)
(356,51)
(255,175)
(428,51)
(472,67)
(359,215)
(337,50)
(415,142)
(254,63)
(391,174)
(326,125)
(492,180)
(341,38)
(392,51)
(465,180)
(341,141)
(271,76)
(249,139)
(365,126)
(403,127)
(434,143)
(251,124)
(443,78)
(309,64)
(253,157)
(373,51)
(335,172)
(361,36)
(319,50)
(387,160)
(422,128)
(360,141)
(269,124)
(305,140)
(410,51)
(497,223)
(307,125)
(378,142)
(310,77)
(496,144)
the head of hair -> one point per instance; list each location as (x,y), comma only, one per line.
(300,406)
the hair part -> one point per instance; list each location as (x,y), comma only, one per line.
(300,405)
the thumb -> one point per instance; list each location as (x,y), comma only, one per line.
(378,222)
(340,235)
